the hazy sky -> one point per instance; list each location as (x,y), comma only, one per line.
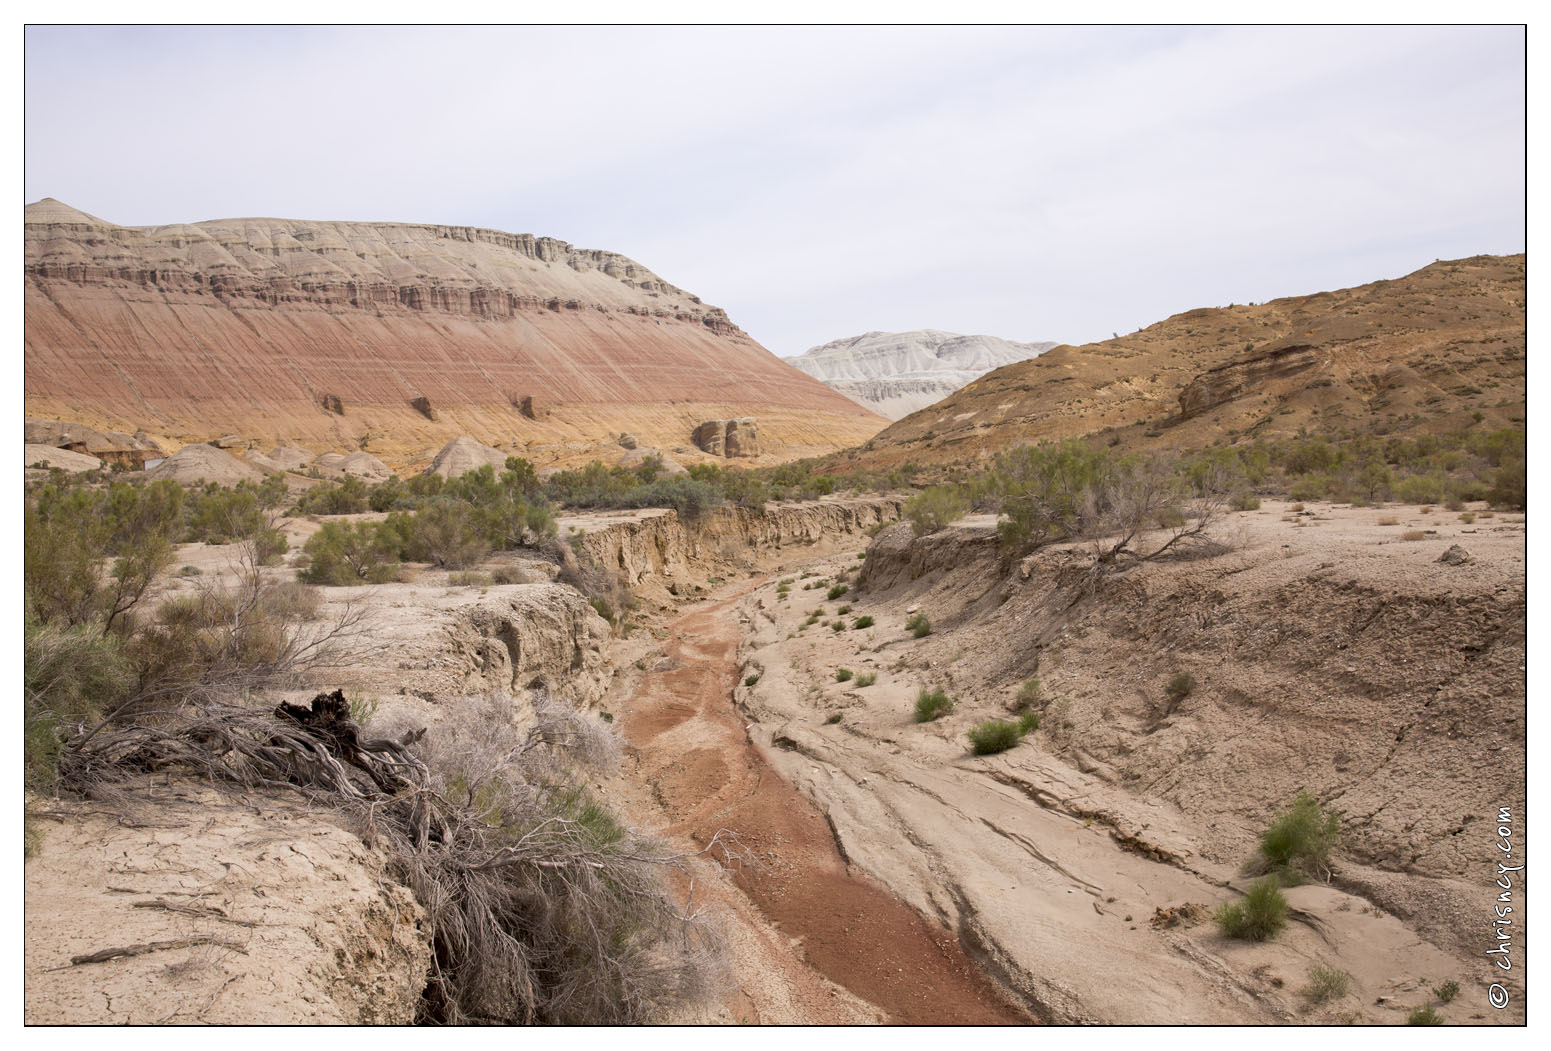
(1035,184)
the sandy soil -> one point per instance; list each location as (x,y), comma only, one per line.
(1055,857)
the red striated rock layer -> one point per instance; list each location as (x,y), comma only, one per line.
(263,326)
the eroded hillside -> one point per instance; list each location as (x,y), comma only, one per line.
(391,337)
(1441,349)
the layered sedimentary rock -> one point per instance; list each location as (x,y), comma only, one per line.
(321,334)
(728,438)
(1439,350)
(896,373)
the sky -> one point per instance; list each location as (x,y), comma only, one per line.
(1035,183)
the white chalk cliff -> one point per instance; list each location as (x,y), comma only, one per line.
(897,373)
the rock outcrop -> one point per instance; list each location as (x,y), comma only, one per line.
(728,437)
(64,459)
(896,373)
(130,450)
(1235,379)
(320,332)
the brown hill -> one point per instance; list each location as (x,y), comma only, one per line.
(1422,353)
(396,336)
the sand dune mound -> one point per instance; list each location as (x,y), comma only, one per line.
(464,454)
(366,467)
(49,456)
(254,458)
(290,458)
(205,463)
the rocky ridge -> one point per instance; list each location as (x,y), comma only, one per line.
(897,373)
(1441,349)
(349,334)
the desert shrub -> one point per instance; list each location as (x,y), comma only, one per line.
(445,532)
(291,600)
(508,575)
(838,625)
(751,680)
(349,497)
(1326,983)
(1424,1016)
(72,677)
(1045,491)
(867,678)
(1300,840)
(918,625)
(1257,916)
(1312,487)
(863,622)
(1030,694)
(844,674)
(342,554)
(935,509)
(467,579)
(1245,502)
(1509,484)
(836,591)
(843,610)
(1388,520)
(993,736)
(1413,535)
(932,704)
(1454,503)
(1447,991)
(602,608)
(1467,517)
(834,718)
(1420,489)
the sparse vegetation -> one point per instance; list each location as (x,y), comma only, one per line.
(998,735)
(863,621)
(866,678)
(1257,916)
(844,675)
(1030,695)
(1413,534)
(1424,1016)
(751,680)
(1299,841)
(836,591)
(1326,984)
(1447,991)
(834,717)
(1179,687)
(932,704)
(935,508)
(918,625)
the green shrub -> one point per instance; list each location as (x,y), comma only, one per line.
(836,591)
(1257,916)
(935,509)
(844,675)
(838,625)
(1029,695)
(919,626)
(750,680)
(932,704)
(842,611)
(342,554)
(72,677)
(1300,840)
(1326,983)
(867,678)
(863,622)
(1420,489)
(1424,1016)
(834,718)
(994,736)
(1447,991)
(1028,722)
(1509,484)
(602,608)
(1245,502)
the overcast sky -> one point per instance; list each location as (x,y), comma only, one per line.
(1035,184)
